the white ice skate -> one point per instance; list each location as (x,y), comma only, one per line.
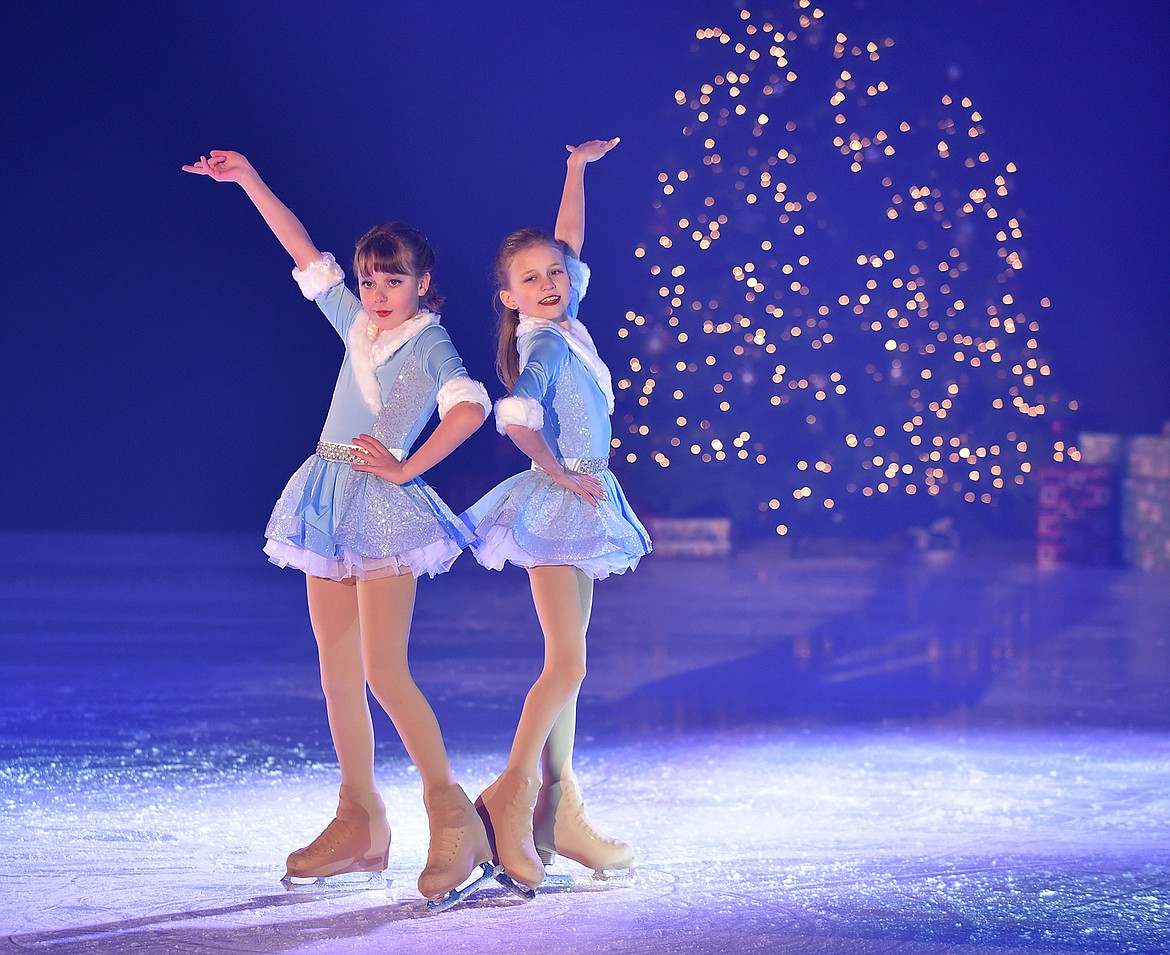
(506,810)
(560,826)
(459,846)
(350,854)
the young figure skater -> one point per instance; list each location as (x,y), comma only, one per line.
(566,521)
(363,526)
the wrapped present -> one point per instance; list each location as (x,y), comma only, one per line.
(1146,522)
(1148,456)
(1076,517)
(1102,448)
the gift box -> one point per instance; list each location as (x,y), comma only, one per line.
(1076,518)
(1145,522)
(1102,448)
(1148,456)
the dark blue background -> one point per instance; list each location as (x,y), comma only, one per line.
(159,368)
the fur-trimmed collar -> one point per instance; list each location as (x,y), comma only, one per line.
(369,349)
(579,340)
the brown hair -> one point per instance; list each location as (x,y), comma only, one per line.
(397,248)
(508,319)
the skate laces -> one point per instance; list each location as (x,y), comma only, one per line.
(519,806)
(445,843)
(586,827)
(335,835)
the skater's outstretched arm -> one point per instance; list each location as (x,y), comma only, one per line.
(223,165)
(570,227)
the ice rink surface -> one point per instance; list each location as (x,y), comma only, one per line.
(844,753)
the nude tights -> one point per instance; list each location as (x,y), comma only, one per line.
(362,629)
(563,597)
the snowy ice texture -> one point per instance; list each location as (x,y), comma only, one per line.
(810,754)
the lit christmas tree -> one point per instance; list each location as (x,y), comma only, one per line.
(838,314)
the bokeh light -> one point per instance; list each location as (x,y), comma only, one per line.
(839,311)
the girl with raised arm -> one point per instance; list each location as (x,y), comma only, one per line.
(362,525)
(566,521)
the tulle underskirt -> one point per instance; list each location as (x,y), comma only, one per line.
(334,522)
(531,521)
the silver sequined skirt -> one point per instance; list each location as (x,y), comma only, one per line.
(334,522)
(530,521)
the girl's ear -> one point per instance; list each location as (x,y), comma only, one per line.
(424,283)
(508,300)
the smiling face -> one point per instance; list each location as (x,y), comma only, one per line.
(390,298)
(538,283)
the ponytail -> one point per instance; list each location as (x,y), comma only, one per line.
(507,357)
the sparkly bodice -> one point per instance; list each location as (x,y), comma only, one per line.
(577,417)
(576,412)
(399,421)
(409,381)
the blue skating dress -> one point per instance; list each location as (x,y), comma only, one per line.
(564,391)
(334,522)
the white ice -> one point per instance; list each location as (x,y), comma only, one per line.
(818,754)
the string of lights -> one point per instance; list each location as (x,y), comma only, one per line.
(838,308)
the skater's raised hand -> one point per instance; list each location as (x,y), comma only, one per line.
(592,150)
(222,165)
(570,227)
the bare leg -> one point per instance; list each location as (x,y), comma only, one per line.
(556,591)
(557,757)
(333,611)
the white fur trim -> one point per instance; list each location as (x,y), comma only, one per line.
(460,389)
(578,274)
(526,412)
(369,354)
(318,277)
(581,342)
(579,333)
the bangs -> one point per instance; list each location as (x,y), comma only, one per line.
(383,253)
(396,248)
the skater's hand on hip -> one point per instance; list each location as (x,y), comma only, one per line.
(586,485)
(376,459)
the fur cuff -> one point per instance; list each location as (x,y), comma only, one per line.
(526,412)
(318,277)
(459,389)
(578,275)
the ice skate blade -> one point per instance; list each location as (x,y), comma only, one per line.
(598,879)
(343,882)
(489,872)
(515,887)
(614,879)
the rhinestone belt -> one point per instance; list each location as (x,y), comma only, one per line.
(343,453)
(582,465)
